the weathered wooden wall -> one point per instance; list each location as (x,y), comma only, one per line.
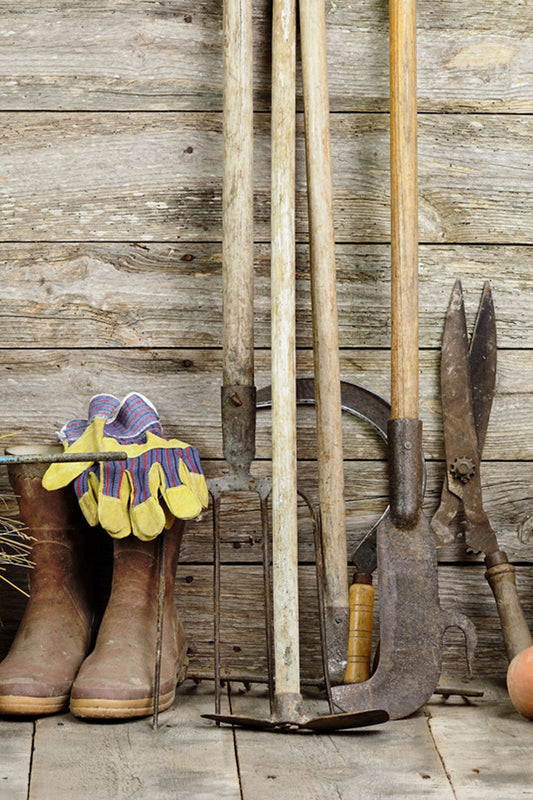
(110,251)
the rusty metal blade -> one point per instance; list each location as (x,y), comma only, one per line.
(456,394)
(328,723)
(463,484)
(412,625)
(483,359)
(340,722)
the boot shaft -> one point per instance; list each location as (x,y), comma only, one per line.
(136,565)
(60,537)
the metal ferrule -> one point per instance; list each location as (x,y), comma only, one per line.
(405,474)
(238,426)
(288,708)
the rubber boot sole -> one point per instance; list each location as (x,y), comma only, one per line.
(21,705)
(106,708)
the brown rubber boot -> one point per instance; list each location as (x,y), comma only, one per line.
(55,633)
(117,680)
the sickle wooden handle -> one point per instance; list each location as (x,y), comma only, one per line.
(360,637)
(516,633)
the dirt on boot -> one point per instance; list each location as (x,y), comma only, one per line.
(56,630)
(117,680)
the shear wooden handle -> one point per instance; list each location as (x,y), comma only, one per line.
(361,600)
(501,577)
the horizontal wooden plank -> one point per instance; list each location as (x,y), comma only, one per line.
(167,56)
(156,295)
(43,389)
(462,587)
(242,635)
(507,502)
(157,177)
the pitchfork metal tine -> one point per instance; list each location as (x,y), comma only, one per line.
(161,564)
(216,598)
(265,544)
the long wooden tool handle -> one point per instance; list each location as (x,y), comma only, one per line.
(516,633)
(404,211)
(284,491)
(324,301)
(237,195)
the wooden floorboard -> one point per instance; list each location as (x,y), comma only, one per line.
(487,747)
(15,758)
(186,757)
(454,749)
(394,760)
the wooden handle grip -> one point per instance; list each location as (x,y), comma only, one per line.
(360,639)
(237,195)
(404,211)
(516,633)
(324,301)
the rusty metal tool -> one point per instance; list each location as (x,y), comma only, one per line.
(468,377)
(412,623)
(288,712)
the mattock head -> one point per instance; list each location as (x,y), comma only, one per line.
(412,625)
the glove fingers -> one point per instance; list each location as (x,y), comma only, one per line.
(113,499)
(191,474)
(147,516)
(59,475)
(181,501)
(86,488)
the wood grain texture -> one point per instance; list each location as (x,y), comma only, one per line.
(152,55)
(238,196)
(393,760)
(242,638)
(486,746)
(404,211)
(507,502)
(185,757)
(43,389)
(157,177)
(462,587)
(16,740)
(159,295)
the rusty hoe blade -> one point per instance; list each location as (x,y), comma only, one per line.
(412,623)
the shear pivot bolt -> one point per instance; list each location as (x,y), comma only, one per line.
(463,469)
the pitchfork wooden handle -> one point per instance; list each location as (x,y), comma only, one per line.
(516,633)
(237,196)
